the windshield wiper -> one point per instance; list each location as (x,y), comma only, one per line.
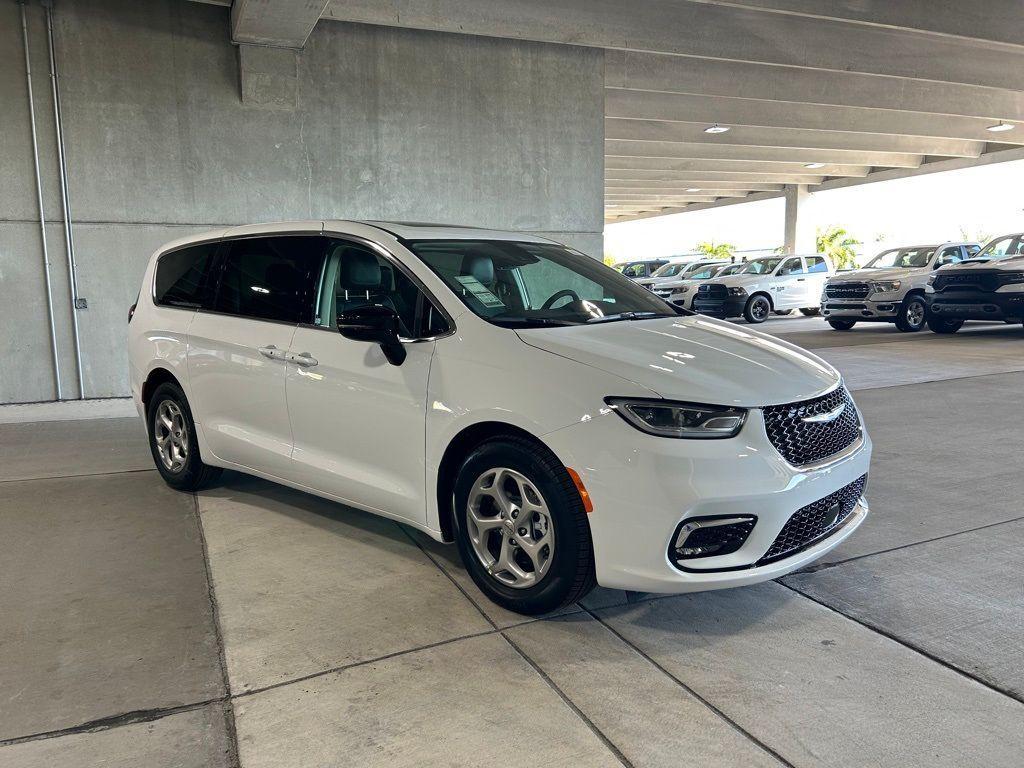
(527,322)
(626,316)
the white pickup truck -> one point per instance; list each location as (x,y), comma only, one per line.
(766,285)
(890,288)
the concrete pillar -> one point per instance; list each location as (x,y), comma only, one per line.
(799,233)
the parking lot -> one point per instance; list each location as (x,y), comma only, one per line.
(256,625)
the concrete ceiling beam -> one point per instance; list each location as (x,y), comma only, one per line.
(695,28)
(716,186)
(652,105)
(661,138)
(686,168)
(277,23)
(715,77)
(709,151)
(697,179)
(999,20)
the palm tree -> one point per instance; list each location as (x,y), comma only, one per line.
(838,244)
(713,251)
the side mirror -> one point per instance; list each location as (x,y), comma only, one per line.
(377,324)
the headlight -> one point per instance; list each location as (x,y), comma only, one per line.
(931,279)
(1011,278)
(886,286)
(686,420)
(682,289)
(737,291)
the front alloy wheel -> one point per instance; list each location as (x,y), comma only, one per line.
(510,528)
(521,526)
(911,316)
(757,310)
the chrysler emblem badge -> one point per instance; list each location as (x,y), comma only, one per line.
(824,418)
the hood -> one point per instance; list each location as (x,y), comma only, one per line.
(1015,263)
(886,273)
(694,359)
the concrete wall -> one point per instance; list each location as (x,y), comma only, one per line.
(167,134)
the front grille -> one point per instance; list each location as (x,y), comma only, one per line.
(713,291)
(805,442)
(966,281)
(847,290)
(814,522)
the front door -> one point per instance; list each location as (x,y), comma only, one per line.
(237,352)
(359,422)
(789,285)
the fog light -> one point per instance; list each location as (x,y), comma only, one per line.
(711,536)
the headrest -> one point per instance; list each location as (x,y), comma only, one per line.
(480,267)
(359,269)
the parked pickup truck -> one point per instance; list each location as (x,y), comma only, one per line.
(769,284)
(889,288)
(988,287)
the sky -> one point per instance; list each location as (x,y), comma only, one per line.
(973,203)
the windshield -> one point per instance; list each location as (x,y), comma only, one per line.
(536,284)
(904,258)
(760,266)
(669,270)
(1001,247)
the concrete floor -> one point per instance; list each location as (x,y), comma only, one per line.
(257,625)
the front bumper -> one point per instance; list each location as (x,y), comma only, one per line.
(644,486)
(720,308)
(977,305)
(867,310)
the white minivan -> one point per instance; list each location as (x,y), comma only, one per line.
(563,425)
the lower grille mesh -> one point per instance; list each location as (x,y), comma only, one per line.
(815,521)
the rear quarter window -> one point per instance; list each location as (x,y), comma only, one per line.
(184,278)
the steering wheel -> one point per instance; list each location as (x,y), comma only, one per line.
(560,295)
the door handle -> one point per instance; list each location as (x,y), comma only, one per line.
(800,279)
(303,359)
(272,352)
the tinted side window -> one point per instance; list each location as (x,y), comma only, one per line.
(355,276)
(270,278)
(184,278)
(634,270)
(791,267)
(949,255)
(816,264)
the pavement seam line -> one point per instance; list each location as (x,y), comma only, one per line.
(818,568)
(84,474)
(229,709)
(707,703)
(608,743)
(908,645)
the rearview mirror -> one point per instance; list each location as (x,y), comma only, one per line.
(374,323)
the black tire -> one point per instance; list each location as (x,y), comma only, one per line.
(944,324)
(913,314)
(810,311)
(570,574)
(783,312)
(842,325)
(193,474)
(757,309)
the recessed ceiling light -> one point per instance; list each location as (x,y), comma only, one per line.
(693,189)
(814,165)
(716,128)
(1000,127)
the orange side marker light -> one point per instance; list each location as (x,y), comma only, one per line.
(588,505)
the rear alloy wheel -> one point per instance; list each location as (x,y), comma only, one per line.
(172,440)
(757,310)
(911,317)
(810,311)
(944,324)
(842,325)
(522,531)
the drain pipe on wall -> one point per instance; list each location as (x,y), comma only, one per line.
(77,303)
(39,194)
